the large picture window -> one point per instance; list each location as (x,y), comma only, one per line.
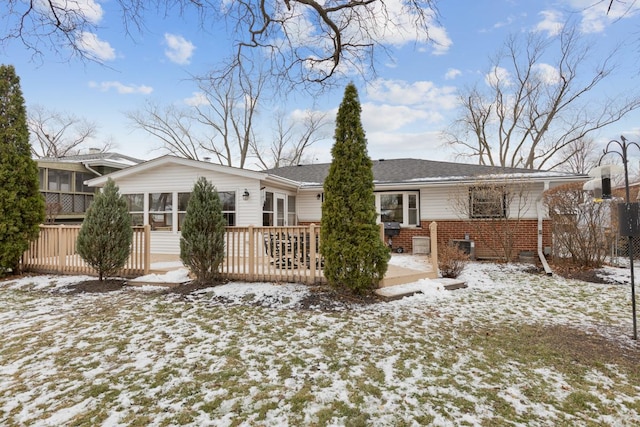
(399,207)
(487,202)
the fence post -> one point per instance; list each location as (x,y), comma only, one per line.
(313,255)
(62,249)
(147,249)
(433,232)
(252,253)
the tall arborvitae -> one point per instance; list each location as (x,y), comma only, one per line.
(355,256)
(202,241)
(21,204)
(104,241)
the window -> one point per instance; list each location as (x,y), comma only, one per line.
(80,185)
(291,210)
(59,180)
(41,172)
(267,209)
(160,211)
(228,199)
(487,202)
(135,203)
(399,207)
(183,201)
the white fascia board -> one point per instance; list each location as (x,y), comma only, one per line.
(166,160)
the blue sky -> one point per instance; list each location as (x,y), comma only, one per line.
(405,108)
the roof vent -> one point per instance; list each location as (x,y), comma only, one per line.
(381,160)
(206,159)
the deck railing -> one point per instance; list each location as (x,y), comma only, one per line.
(54,251)
(275,254)
(280,254)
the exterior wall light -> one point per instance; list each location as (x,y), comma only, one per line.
(245,195)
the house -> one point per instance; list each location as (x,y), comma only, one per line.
(411,193)
(62,181)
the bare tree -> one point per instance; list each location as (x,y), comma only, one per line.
(230,110)
(219,122)
(172,125)
(305,40)
(57,134)
(292,140)
(581,156)
(532,112)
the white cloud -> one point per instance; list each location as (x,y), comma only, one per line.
(452,73)
(552,22)
(96,48)
(121,88)
(421,93)
(89,9)
(547,73)
(196,99)
(179,49)
(498,74)
(596,14)
(393,117)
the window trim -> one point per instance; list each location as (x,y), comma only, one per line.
(405,206)
(494,214)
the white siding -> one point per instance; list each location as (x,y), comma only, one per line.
(309,207)
(443,202)
(178,178)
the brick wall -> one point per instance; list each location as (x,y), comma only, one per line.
(486,235)
(483,233)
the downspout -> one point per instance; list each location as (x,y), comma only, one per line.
(541,256)
(91,169)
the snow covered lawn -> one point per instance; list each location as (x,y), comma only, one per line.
(512,349)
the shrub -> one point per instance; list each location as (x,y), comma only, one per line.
(451,260)
(202,241)
(104,240)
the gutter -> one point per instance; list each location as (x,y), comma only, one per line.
(541,256)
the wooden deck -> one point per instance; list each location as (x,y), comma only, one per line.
(396,275)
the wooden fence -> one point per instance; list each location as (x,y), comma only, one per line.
(55,252)
(274,254)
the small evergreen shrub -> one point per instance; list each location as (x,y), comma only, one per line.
(203,229)
(104,241)
(451,260)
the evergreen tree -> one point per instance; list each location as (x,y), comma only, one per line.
(104,241)
(203,229)
(21,204)
(355,256)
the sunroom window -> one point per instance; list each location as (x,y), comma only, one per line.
(399,207)
(135,203)
(160,211)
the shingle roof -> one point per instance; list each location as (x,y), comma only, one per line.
(409,170)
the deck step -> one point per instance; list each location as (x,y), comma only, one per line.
(391,293)
(451,284)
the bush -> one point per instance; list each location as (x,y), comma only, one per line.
(451,260)
(202,241)
(582,229)
(104,240)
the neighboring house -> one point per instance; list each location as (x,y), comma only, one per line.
(410,192)
(62,182)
